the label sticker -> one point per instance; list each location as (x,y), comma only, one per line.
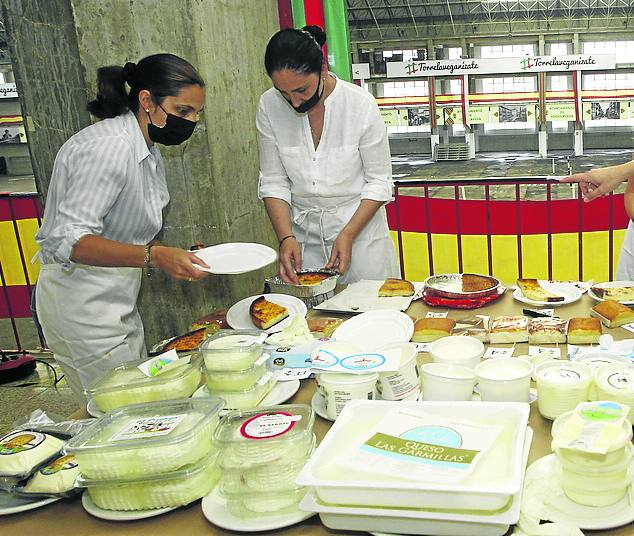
(544,351)
(422,346)
(148,427)
(498,352)
(566,374)
(268,425)
(16,442)
(433,314)
(621,380)
(629,327)
(162,363)
(60,464)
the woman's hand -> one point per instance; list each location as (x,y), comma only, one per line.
(341,254)
(178,263)
(290,260)
(599,182)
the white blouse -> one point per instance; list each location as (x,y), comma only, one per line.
(352,160)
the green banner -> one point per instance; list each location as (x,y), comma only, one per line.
(418,449)
(390,117)
(299,15)
(478,115)
(560,111)
(337,38)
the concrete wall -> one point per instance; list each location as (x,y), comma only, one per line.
(212,178)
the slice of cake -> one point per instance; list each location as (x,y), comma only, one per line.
(430,329)
(614,293)
(612,313)
(546,331)
(396,287)
(584,331)
(265,314)
(509,329)
(477,283)
(310,279)
(533,291)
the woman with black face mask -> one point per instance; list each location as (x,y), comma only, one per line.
(103,211)
(325,166)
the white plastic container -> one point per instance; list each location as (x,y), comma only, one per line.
(232,349)
(490,486)
(596,361)
(442,381)
(126,384)
(457,350)
(237,380)
(504,379)
(258,504)
(142,440)
(339,389)
(246,398)
(403,384)
(616,382)
(561,385)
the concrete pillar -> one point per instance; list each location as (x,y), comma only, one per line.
(212,178)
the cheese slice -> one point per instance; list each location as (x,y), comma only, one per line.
(533,291)
(396,287)
(265,314)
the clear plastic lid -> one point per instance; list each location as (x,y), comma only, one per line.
(127,376)
(157,424)
(266,427)
(234,341)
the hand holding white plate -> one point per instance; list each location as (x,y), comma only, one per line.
(235,257)
(238,316)
(570,293)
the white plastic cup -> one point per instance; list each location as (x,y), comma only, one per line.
(339,388)
(457,350)
(504,379)
(442,381)
(561,385)
(404,383)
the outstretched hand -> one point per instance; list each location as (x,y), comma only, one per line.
(598,182)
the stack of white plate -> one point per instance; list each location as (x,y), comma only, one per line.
(484,504)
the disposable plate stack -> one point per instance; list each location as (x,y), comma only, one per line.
(484,503)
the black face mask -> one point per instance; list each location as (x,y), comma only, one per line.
(174,132)
(310,103)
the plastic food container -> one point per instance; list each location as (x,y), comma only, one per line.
(404,383)
(142,440)
(442,381)
(339,389)
(616,382)
(126,385)
(247,438)
(600,488)
(258,504)
(561,385)
(232,350)
(457,350)
(596,361)
(237,380)
(490,486)
(176,488)
(504,379)
(246,398)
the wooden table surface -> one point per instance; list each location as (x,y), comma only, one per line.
(69,518)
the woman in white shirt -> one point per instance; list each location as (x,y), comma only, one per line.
(103,211)
(325,167)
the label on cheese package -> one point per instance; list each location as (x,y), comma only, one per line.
(148,427)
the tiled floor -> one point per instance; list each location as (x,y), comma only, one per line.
(19,398)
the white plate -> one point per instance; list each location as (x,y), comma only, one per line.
(93,410)
(280,393)
(10,504)
(238,316)
(363,296)
(569,292)
(236,257)
(120,515)
(611,284)
(318,403)
(375,329)
(215,510)
(542,490)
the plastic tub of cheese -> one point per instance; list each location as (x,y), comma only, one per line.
(247,438)
(457,350)
(423,442)
(616,382)
(258,504)
(561,385)
(175,488)
(246,398)
(126,384)
(147,439)
(232,350)
(236,380)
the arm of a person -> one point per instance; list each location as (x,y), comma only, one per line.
(274,187)
(601,181)
(377,168)
(628,199)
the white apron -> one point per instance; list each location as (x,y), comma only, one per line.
(625,268)
(90,319)
(317,221)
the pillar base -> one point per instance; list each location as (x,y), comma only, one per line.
(578,142)
(543,143)
(469,137)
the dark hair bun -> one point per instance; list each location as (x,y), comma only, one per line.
(318,34)
(129,69)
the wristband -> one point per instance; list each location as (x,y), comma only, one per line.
(147,256)
(287,236)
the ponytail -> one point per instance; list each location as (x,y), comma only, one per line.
(162,75)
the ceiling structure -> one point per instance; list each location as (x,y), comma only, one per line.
(385,21)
